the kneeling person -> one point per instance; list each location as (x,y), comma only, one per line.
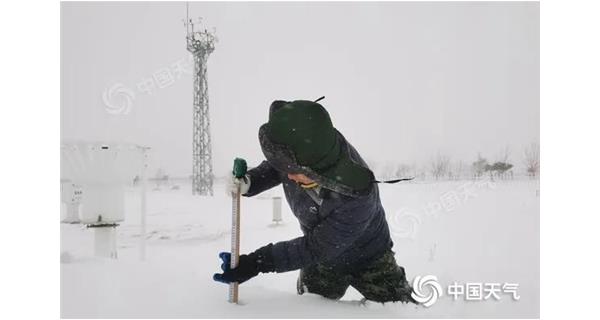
(330,189)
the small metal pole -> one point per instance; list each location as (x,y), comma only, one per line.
(143,209)
(277,210)
(105,242)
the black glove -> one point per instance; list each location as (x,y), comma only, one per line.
(249,266)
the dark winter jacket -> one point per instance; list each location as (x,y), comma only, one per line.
(346,231)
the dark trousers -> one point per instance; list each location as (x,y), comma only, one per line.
(381,281)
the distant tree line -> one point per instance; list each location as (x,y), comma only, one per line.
(441,167)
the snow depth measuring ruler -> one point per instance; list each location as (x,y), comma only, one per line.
(239,170)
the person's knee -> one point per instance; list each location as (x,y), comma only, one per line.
(328,287)
(388,292)
(329,292)
(386,282)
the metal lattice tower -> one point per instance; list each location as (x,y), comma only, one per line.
(201,45)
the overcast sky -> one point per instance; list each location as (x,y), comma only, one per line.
(402,81)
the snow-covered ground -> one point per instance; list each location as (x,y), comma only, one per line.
(460,231)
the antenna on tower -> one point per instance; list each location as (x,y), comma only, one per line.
(189,25)
(200,45)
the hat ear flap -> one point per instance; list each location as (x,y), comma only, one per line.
(279,156)
(276,105)
(350,174)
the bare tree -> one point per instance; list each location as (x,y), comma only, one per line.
(502,167)
(531,156)
(499,168)
(421,171)
(440,165)
(458,170)
(403,171)
(503,155)
(480,166)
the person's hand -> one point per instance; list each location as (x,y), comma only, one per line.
(245,270)
(249,266)
(232,181)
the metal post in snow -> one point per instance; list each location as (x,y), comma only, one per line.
(105,241)
(143,207)
(277,210)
